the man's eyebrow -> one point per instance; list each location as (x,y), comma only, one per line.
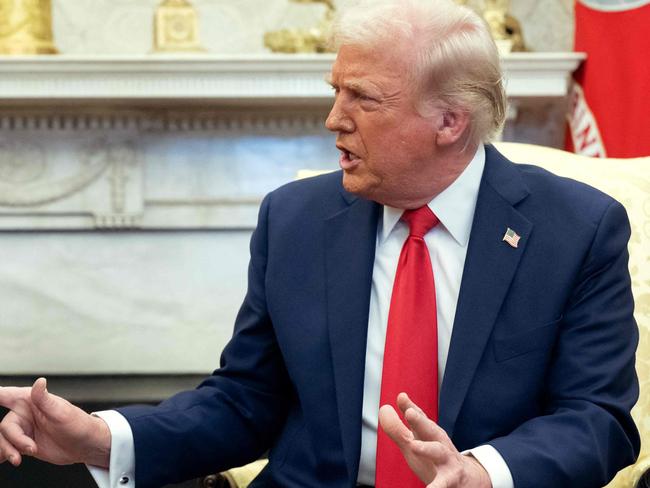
(359,86)
(356,85)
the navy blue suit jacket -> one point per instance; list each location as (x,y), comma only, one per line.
(541,362)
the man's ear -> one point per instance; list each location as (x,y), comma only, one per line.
(451,125)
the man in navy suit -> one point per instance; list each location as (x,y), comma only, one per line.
(536,338)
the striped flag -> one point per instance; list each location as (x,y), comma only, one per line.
(610,100)
(511,237)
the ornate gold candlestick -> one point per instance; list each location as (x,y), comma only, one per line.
(176,27)
(312,40)
(26,27)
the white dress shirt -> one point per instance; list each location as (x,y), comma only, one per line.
(121,473)
(447,243)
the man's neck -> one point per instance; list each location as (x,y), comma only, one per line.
(445,170)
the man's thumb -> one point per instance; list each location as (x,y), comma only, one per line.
(41,399)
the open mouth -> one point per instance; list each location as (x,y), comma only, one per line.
(348,160)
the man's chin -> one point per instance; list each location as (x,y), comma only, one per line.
(357,185)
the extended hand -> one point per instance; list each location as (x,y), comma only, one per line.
(428,450)
(50,428)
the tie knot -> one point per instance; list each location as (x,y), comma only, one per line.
(420,220)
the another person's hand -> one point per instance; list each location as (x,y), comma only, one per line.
(428,450)
(50,428)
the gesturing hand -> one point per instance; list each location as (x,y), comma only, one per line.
(428,450)
(50,428)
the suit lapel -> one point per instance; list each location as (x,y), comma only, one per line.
(489,268)
(350,251)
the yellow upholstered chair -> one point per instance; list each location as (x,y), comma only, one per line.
(234,478)
(627,180)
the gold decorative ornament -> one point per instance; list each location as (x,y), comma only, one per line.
(312,40)
(505,29)
(176,27)
(26,27)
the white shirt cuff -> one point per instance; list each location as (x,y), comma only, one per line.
(494,464)
(121,472)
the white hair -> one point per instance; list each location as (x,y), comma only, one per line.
(456,65)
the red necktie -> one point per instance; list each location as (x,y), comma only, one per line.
(411,351)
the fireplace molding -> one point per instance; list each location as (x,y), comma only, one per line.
(232,80)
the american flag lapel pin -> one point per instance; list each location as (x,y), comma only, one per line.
(511,237)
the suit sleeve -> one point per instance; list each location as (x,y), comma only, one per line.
(233,416)
(586,433)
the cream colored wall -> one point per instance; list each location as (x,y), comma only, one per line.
(238,26)
(126,26)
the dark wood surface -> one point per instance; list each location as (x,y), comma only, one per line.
(36,474)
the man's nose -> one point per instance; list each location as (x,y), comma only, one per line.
(338,120)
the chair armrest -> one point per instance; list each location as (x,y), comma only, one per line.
(234,478)
(641,473)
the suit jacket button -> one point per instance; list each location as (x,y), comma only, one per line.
(124,480)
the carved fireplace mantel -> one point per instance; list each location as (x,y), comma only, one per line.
(238,80)
(78,134)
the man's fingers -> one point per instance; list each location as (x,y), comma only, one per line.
(9,452)
(423,427)
(404,402)
(394,427)
(3,456)
(9,396)
(14,434)
(4,397)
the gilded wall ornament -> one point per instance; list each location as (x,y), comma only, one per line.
(312,40)
(176,27)
(26,27)
(505,29)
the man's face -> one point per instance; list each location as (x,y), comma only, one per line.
(387,147)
